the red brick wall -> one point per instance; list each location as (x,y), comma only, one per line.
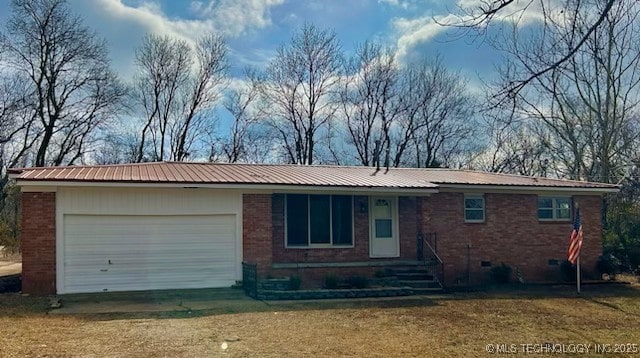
(511,234)
(257,230)
(408,221)
(38,239)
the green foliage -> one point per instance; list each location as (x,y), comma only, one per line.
(331,281)
(622,237)
(622,234)
(358,281)
(608,264)
(294,282)
(501,274)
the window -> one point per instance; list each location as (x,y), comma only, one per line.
(319,220)
(383,220)
(473,208)
(550,208)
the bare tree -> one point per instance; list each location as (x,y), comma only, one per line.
(176,89)
(370,100)
(15,131)
(420,115)
(298,89)
(512,146)
(248,138)
(480,15)
(438,120)
(587,107)
(67,70)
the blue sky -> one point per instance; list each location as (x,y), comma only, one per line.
(255,28)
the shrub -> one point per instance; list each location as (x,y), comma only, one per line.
(380,274)
(357,281)
(501,274)
(331,281)
(608,264)
(567,271)
(294,282)
(633,253)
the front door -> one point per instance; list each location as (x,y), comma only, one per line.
(384,234)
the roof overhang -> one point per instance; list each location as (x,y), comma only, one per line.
(525,189)
(40,185)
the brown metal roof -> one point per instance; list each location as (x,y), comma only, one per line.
(268,174)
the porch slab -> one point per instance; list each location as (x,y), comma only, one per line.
(376,263)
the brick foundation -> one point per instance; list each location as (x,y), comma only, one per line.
(38,240)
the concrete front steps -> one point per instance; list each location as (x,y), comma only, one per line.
(418,278)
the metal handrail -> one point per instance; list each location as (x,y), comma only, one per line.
(438,273)
(435,254)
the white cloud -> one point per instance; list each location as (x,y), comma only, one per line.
(390,2)
(412,32)
(404,4)
(236,16)
(229,17)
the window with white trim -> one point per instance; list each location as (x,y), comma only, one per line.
(474,208)
(554,208)
(318,220)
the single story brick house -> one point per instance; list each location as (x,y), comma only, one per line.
(169,225)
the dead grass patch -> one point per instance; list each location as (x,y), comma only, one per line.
(453,326)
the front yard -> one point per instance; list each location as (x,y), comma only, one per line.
(452,325)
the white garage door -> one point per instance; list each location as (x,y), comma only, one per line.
(126,253)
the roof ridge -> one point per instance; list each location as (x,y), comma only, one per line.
(85,166)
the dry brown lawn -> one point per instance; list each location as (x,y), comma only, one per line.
(455,325)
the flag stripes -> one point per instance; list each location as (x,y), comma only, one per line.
(575,240)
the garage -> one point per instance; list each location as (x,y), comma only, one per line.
(131,239)
(135,252)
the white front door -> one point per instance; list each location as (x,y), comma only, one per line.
(384,234)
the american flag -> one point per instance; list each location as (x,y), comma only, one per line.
(575,240)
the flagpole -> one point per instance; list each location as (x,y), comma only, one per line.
(578,274)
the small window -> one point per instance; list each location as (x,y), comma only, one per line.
(550,208)
(383,228)
(473,209)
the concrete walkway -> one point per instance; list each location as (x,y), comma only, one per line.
(219,300)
